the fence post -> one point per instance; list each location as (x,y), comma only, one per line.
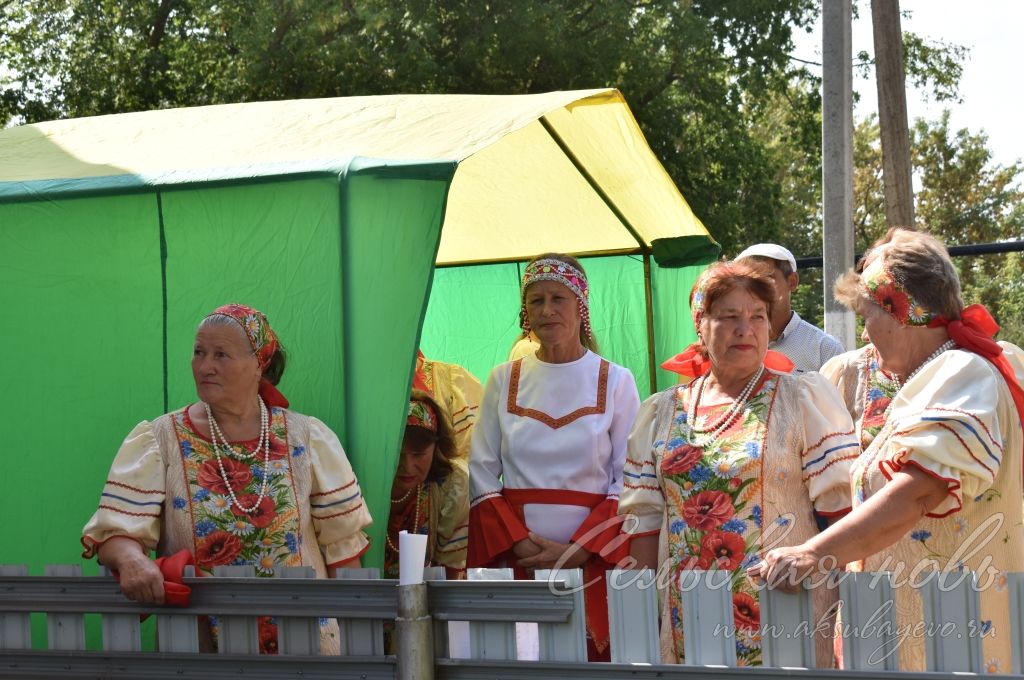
(178,632)
(361,637)
(709,634)
(868,619)
(1015,591)
(65,631)
(564,641)
(951,609)
(415,658)
(121,632)
(298,635)
(633,616)
(787,614)
(440,627)
(15,629)
(490,639)
(238,634)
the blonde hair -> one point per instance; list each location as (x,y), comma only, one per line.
(920,264)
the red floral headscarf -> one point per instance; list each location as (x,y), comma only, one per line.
(263,341)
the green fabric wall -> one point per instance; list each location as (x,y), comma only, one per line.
(343,258)
(473,316)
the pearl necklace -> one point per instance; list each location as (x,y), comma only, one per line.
(727,419)
(263,442)
(416,517)
(399,501)
(949,344)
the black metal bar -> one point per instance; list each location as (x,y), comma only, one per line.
(972,249)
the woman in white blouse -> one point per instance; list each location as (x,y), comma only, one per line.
(549,445)
(235,478)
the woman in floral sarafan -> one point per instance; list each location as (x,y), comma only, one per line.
(938,487)
(235,478)
(736,462)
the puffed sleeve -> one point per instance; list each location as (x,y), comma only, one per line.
(133,496)
(600,529)
(844,372)
(641,495)
(467,393)
(950,421)
(451,500)
(830,445)
(493,526)
(336,503)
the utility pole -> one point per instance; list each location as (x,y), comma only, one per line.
(837,161)
(892,113)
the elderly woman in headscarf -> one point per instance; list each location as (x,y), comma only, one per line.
(939,486)
(236,477)
(548,448)
(741,459)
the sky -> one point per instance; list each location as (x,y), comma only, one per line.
(991,86)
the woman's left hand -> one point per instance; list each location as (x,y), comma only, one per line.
(555,555)
(786,568)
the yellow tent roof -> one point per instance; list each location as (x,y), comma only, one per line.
(561,171)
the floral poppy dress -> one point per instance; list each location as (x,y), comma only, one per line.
(165,490)
(757,486)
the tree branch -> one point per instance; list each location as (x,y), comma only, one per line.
(159,29)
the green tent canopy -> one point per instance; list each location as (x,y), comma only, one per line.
(119,233)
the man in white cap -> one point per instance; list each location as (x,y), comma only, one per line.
(807,346)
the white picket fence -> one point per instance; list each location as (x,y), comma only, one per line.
(474,627)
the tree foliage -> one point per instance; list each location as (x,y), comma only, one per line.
(736,123)
(693,71)
(960,196)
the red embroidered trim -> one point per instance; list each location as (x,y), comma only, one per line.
(464,429)
(832,462)
(125,512)
(973,417)
(349,559)
(822,440)
(555,423)
(951,490)
(966,448)
(639,463)
(641,486)
(327,493)
(339,514)
(133,488)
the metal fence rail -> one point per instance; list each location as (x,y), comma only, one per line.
(428,614)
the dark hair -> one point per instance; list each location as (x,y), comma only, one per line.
(275,367)
(721,278)
(781,265)
(588,342)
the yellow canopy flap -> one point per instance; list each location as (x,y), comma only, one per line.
(560,171)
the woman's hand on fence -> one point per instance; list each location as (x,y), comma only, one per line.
(785,568)
(140,578)
(555,555)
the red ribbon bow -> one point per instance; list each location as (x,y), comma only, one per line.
(690,363)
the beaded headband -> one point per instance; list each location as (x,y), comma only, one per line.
(550,269)
(257,329)
(882,288)
(421,414)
